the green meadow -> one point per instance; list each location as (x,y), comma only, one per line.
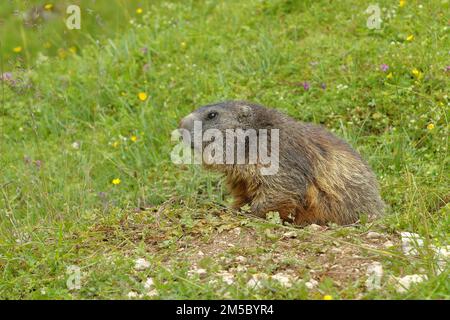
(91,206)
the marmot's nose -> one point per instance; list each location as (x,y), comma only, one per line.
(187,122)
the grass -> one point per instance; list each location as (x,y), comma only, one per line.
(66,124)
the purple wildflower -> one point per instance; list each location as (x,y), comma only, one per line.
(6,76)
(447,68)
(323,85)
(384,67)
(306,85)
(38,164)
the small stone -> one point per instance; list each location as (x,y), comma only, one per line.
(374,274)
(336,250)
(152,293)
(314,227)
(373,235)
(200,272)
(132,295)
(404,283)
(311,284)
(237,231)
(148,283)
(241,268)
(290,234)
(410,243)
(76,145)
(442,256)
(226,296)
(283,279)
(256,280)
(388,244)
(141,264)
(227,277)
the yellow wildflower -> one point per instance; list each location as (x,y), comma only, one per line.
(134,138)
(327,297)
(183,44)
(416,72)
(389,76)
(430,126)
(142,96)
(139,10)
(48,6)
(73,49)
(115,144)
(116,181)
(402,3)
(17,49)
(410,37)
(62,53)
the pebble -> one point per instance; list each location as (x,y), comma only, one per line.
(388,244)
(148,283)
(314,227)
(311,284)
(141,264)
(152,293)
(336,250)
(410,243)
(227,277)
(283,279)
(256,280)
(374,274)
(290,234)
(404,283)
(373,235)
(133,295)
(442,256)
(199,271)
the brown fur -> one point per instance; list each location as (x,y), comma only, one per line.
(321,178)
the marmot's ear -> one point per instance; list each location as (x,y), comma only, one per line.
(244,112)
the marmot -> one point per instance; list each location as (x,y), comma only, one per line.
(320,178)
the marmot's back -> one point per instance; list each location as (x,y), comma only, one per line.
(340,185)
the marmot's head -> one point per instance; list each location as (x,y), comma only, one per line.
(229,133)
(213,124)
(221,116)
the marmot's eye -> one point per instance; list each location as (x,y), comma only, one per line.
(212,115)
